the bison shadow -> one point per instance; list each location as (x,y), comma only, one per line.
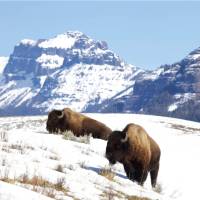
(97,170)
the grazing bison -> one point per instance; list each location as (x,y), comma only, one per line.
(137,151)
(66,119)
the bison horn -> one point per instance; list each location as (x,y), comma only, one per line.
(125,139)
(62,115)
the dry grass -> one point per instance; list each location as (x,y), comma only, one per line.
(34,181)
(6,148)
(82,164)
(45,187)
(60,184)
(185,129)
(110,194)
(3,136)
(37,184)
(38,181)
(68,135)
(3,161)
(50,193)
(59,168)
(4,175)
(7,180)
(22,148)
(54,157)
(107,173)
(137,198)
(19,147)
(158,188)
(71,167)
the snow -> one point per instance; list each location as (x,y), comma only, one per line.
(13,192)
(128,91)
(16,92)
(83,83)
(99,51)
(154,74)
(28,42)
(172,107)
(3,63)
(184,97)
(62,41)
(193,56)
(181,99)
(42,80)
(27,148)
(50,61)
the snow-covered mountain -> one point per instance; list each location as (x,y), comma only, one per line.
(171,90)
(76,71)
(70,69)
(40,166)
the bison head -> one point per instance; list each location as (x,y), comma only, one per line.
(55,121)
(117,147)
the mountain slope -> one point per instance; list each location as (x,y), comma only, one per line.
(171,90)
(70,69)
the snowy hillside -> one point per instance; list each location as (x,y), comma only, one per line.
(70,69)
(37,165)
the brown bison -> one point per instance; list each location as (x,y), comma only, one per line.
(137,151)
(79,124)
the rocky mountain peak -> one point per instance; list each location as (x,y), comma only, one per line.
(70,69)
(194,54)
(45,56)
(67,40)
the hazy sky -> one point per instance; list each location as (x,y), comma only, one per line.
(145,34)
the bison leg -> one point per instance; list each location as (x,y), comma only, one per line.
(129,171)
(136,174)
(141,175)
(154,174)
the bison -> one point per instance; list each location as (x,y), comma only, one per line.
(137,151)
(79,124)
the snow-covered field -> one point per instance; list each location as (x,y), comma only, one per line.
(36,165)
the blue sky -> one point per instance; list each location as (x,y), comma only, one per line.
(146,34)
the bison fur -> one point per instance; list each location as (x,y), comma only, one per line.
(79,124)
(137,151)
